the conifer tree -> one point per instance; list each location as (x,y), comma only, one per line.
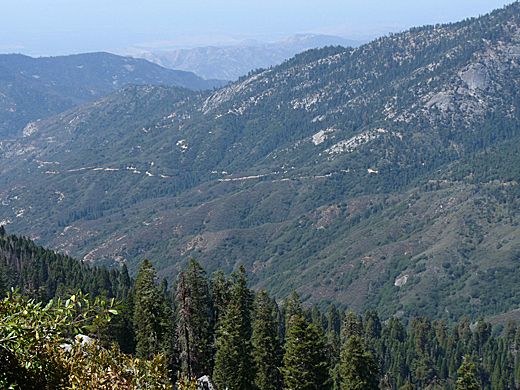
(423,367)
(194,332)
(372,325)
(358,370)
(125,283)
(234,367)
(306,366)
(280,319)
(293,306)
(467,376)
(317,318)
(149,316)
(333,343)
(266,344)
(219,289)
(170,344)
(333,320)
(352,326)
(121,327)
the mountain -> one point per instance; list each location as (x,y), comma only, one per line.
(384,176)
(43,274)
(422,351)
(232,61)
(36,88)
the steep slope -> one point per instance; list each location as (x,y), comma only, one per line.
(368,176)
(36,88)
(232,61)
(43,274)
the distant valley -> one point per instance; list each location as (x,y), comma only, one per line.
(233,61)
(36,88)
(383,176)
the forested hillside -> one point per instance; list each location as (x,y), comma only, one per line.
(44,274)
(217,326)
(382,177)
(36,88)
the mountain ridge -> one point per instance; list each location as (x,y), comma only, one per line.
(363,176)
(229,62)
(36,88)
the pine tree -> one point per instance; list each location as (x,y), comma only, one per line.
(125,283)
(358,370)
(467,376)
(293,306)
(149,315)
(372,325)
(333,348)
(266,344)
(423,366)
(333,320)
(169,344)
(194,331)
(333,343)
(306,366)
(234,367)
(352,326)
(121,328)
(219,290)
(317,318)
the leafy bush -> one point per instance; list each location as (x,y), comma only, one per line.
(33,353)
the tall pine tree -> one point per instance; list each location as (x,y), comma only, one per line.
(305,362)
(220,289)
(194,332)
(234,367)
(150,320)
(358,370)
(266,344)
(467,376)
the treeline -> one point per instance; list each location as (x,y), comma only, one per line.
(244,340)
(43,274)
(217,326)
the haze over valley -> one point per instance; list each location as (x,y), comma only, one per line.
(372,175)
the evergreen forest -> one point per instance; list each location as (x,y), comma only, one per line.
(144,333)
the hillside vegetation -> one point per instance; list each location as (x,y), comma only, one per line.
(155,336)
(33,89)
(383,177)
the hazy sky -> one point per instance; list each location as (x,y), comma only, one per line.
(49,27)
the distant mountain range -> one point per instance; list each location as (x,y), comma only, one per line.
(384,176)
(232,61)
(36,88)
